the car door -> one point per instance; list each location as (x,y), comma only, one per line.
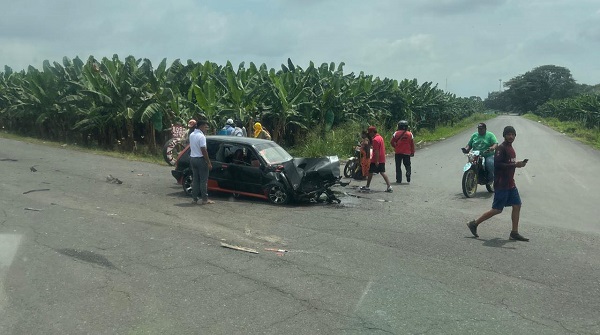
(247,173)
(220,177)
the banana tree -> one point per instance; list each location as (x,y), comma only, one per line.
(286,95)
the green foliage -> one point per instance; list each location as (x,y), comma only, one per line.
(127,102)
(340,142)
(584,109)
(528,91)
(449,131)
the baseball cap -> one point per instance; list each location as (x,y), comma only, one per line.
(481,125)
(229,121)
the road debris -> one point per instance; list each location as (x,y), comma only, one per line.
(33,169)
(32,209)
(279,252)
(113,180)
(39,190)
(235,247)
(276,250)
(8,160)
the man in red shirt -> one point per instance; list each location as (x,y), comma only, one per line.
(378,160)
(404,147)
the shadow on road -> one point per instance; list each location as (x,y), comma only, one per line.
(497,243)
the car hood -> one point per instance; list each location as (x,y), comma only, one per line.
(308,170)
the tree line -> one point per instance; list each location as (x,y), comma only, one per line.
(549,91)
(113,102)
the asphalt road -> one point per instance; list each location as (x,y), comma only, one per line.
(80,255)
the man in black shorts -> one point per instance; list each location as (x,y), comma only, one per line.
(505,190)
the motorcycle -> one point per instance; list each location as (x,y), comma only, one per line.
(176,144)
(353,168)
(475,174)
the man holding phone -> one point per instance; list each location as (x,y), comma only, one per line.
(505,190)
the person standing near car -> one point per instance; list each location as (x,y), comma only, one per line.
(228,129)
(486,142)
(404,147)
(365,153)
(200,163)
(505,190)
(378,160)
(260,132)
(239,129)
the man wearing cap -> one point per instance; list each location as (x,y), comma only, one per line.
(486,142)
(378,160)
(228,129)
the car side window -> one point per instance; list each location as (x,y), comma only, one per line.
(212,149)
(253,159)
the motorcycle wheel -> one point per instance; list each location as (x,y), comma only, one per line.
(188,178)
(277,194)
(171,150)
(490,187)
(469,183)
(349,168)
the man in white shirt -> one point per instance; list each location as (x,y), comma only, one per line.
(200,163)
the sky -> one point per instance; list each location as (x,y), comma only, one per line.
(466,47)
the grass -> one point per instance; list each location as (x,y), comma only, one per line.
(573,129)
(339,142)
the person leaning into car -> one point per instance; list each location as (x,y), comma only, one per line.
(200,163)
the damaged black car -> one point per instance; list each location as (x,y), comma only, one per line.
(262,169)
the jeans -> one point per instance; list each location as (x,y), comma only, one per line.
(200,178)
(489,168)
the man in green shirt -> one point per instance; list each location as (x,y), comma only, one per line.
(486,142)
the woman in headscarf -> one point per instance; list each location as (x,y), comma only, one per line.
(260,132)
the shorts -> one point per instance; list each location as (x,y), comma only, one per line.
(505,198)
(377,167)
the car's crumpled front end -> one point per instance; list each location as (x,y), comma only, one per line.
(313,177)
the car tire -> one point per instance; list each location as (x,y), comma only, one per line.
(188,178)
(349,168)
(171,150)
(277,194)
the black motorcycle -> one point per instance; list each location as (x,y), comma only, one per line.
(475,174)
(353,168)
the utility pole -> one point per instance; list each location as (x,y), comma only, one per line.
(500,85)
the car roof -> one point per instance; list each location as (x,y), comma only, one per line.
(239,140)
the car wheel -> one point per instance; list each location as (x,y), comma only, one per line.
(171,150)
(349,169)
(188,178)
(277,194)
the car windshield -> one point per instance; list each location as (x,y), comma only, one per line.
(273,153)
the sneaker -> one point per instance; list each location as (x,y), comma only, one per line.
(398,181)
(389,189)
(473,228)
(514,235)
(408,178)
(364,189)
